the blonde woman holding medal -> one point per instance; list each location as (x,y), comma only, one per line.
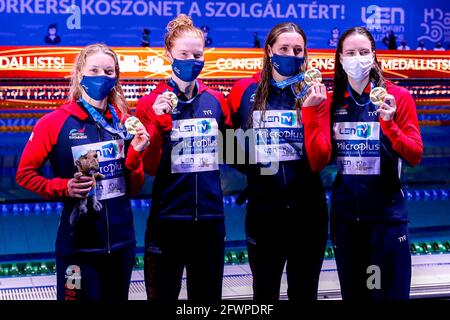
(84,139)
(374,129)
(286,221)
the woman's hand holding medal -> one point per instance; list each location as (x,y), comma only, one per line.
(141,138)
(385,102)
(317,93)
(165,103)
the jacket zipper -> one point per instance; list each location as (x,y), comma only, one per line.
(284,179)
(107,227)
(357,184)
(192,112)
(106,205)
(196,198)
(284,173)
(357,199)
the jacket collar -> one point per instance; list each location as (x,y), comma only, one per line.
(73,108)
(164,86)
(366,90)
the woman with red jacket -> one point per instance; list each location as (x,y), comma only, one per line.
(369,141)
(287,218)
(95,245)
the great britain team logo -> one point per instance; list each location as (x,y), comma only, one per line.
(77,134)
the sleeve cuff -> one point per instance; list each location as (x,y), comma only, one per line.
(134,159)
(309,114)
(164,122)
(389,128)
(387,125)
(65,191)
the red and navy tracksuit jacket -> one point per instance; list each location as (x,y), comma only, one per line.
(296,183)
(60,137)
(183,154)
(286,208)
(368,153)
(368,214)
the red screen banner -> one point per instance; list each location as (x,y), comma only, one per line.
(220,63)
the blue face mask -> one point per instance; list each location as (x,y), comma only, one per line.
(98,87)
(287,66)
(187,70)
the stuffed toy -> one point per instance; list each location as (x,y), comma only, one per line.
(88,165)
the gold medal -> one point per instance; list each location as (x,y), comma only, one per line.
(173,98)
(311,75)
(132,123)
(377,95)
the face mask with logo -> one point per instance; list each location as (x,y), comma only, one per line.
(287,66)
(98,87)
(187,70)
(357,67)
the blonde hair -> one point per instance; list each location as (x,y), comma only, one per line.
(177,27)
(116,96)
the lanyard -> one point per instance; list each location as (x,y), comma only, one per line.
(302,93)
(116,129)
(284,83)
(292,81)
(349,89)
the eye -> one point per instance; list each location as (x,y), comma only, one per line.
(298,51)
(364,52)
(283,49)
(198,56)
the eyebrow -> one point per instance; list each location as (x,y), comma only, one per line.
(183,50)
(287,45)
(359,49)
(193,52)
(95,66)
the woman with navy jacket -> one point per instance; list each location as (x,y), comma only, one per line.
(95,245)
(185,228)
(286,221)
(369,141)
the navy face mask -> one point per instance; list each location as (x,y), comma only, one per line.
(98,87)
(287,66)
(187,70)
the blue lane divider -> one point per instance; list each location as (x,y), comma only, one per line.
(427,195)
(432,107)
(18,122)
(48,208)
(434,117)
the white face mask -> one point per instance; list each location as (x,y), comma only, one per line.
(357,67)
